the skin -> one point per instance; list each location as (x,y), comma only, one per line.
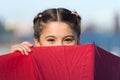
(53,34)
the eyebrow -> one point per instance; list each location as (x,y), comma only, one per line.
(50,36)
(63,37)
(69,36)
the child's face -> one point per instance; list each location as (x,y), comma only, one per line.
(56,34)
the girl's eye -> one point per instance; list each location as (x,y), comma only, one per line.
(68,40)
(51,40)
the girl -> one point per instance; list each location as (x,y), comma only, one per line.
(53,27)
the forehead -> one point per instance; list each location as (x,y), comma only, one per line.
(57,29)
(57,26)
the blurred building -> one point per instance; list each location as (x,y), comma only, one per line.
(117,24)
(2,30)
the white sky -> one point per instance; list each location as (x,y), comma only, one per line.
(100,11)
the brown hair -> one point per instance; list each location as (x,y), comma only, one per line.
(60,14)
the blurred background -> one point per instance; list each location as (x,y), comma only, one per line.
(100,21)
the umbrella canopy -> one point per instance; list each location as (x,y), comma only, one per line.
(78,62)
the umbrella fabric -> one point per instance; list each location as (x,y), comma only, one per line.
(78,62)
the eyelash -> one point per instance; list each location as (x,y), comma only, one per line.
(51,40)
(66,40)
(69,39)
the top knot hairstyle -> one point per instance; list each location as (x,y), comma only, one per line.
(59,14)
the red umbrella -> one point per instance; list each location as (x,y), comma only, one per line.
(79,62)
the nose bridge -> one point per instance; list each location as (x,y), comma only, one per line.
(59,43)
